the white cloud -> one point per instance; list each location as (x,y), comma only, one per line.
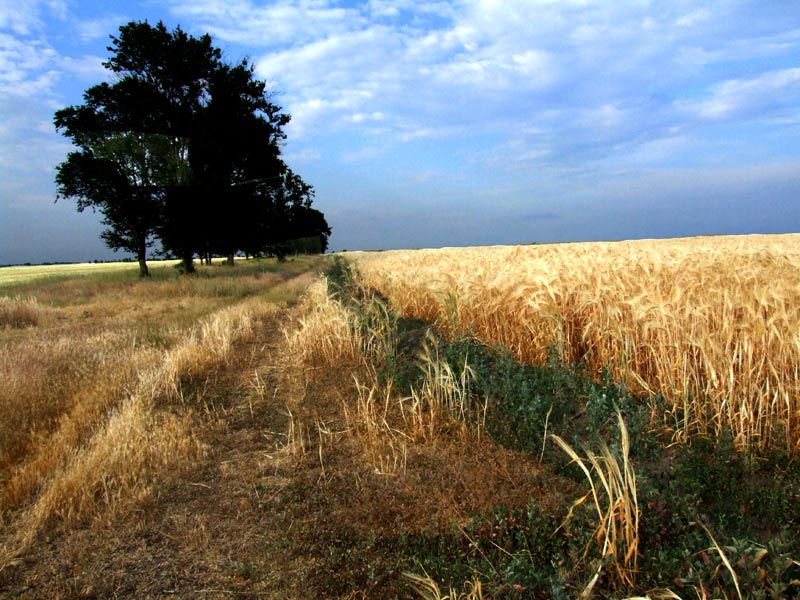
(304,155)
(23,65)
(95,29)
(693,18)
(384,8)
(365,117)
(699,53)
(26,18)
(85,68)
(270,25)
(362,154)
(757,96)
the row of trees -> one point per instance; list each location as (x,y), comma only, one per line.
(184,149)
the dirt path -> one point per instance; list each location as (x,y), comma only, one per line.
(210,533)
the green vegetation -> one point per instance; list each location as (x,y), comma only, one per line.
(184,148)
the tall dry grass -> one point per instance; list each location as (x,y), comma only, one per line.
(381,422)
(16,312)
(710,324)
(612,483)
(444,399)
(327,333)
(101,396)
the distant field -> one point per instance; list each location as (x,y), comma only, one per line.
(26,274)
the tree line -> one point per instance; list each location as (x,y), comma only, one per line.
(184,149)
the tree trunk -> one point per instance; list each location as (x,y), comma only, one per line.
(188,264)
(230,260)
(143,270)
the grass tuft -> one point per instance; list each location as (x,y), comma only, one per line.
(19,313)
(612,484)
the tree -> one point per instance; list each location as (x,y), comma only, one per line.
(292,200)
(310,224)
(182,148)
(119,176)
(132,136)
(234,155)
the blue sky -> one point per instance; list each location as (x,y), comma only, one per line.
(455,123)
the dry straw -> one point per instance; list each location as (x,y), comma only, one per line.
(380,422)
(428,589)
(113,440)
(613,493)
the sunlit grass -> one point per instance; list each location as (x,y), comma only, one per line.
(94,407)
(16,275)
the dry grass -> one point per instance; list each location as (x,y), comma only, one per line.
(613,493)
(102,395)
(330,335)
(327,333)
(19,312)
(383,423)
(369,422)
(428,589)
(708,323)
(444,400)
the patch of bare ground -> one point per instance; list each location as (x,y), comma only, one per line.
(284,503)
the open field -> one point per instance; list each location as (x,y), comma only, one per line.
(93,410)
(708,324)
(264,432)
(19,275)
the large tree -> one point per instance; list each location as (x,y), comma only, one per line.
(234,155)
(132,136)
(122,176)
(182,147)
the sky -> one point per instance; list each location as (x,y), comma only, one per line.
(452,123)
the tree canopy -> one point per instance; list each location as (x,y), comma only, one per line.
(184,149)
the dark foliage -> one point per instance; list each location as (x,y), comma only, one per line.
(186,149)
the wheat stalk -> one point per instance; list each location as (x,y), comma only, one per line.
(613,493)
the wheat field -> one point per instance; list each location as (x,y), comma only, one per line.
(23,274)
(710,325)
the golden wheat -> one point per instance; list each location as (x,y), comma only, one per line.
(710,324)
(327,333)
